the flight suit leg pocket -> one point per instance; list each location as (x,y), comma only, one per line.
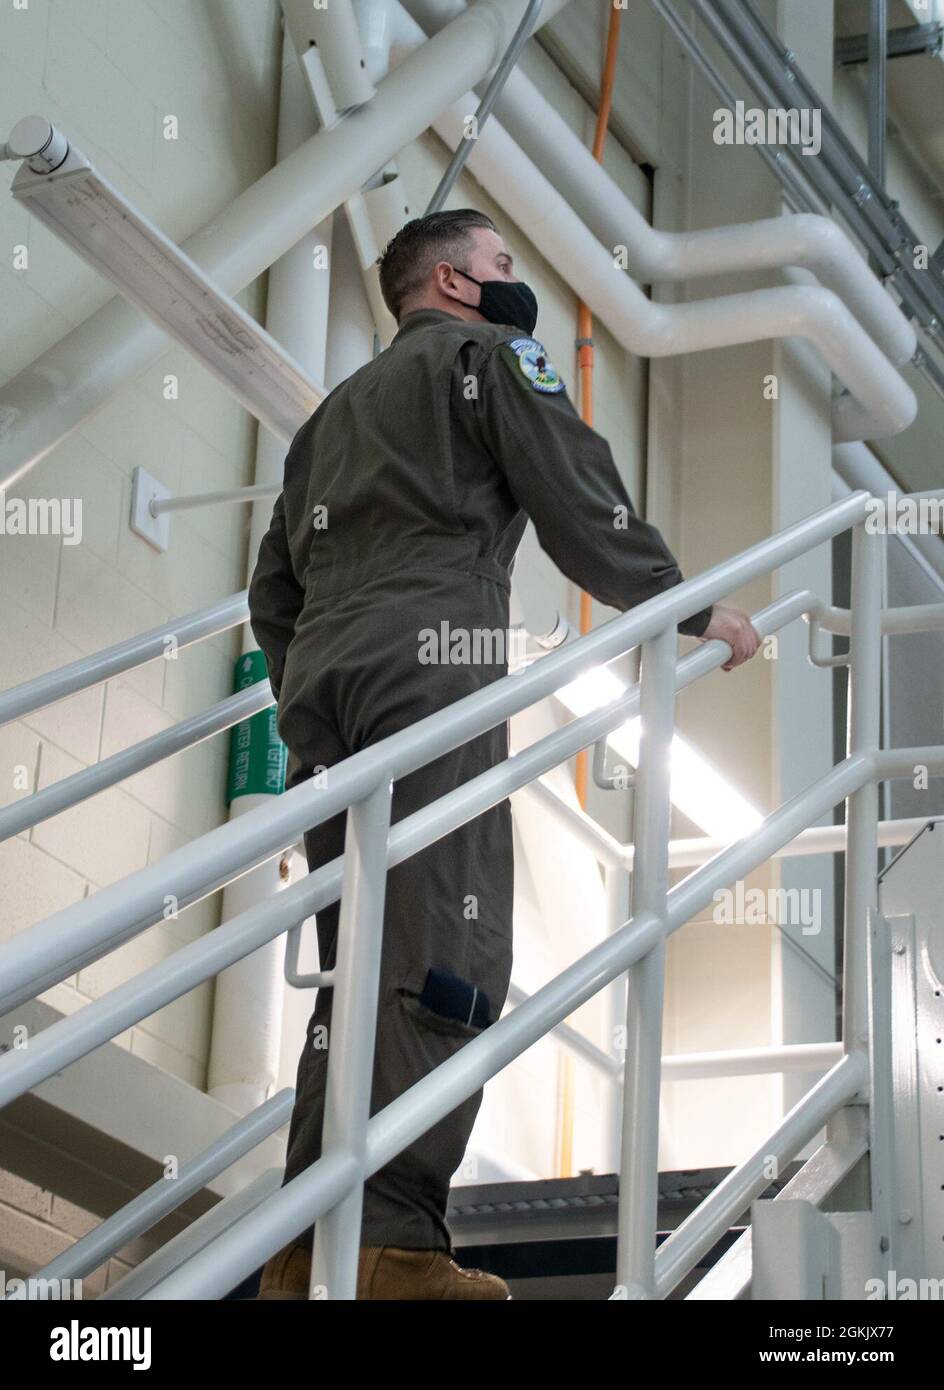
(448,1005)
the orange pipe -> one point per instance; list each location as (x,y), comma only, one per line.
(585,322)
(565,1157)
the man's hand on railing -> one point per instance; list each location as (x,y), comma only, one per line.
(733,626)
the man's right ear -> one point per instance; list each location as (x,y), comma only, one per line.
(453,283)
(446,280)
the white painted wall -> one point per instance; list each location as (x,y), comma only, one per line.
(108,74)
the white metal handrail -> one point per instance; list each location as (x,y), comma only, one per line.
(698,849)
(162,1197)
(354,1146)
(148,991)
(49,801)
(33,959)
(163,641)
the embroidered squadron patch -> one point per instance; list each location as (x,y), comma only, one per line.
(536,365)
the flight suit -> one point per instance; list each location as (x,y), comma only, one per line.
(405,497)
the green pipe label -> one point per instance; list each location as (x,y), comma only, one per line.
(257,756)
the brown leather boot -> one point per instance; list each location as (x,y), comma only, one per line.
(286,1274)
(384,1272)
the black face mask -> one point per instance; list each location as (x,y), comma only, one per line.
(506,301)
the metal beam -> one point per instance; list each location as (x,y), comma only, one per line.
(852,49)
(483,111)
(838,172)
(878,87)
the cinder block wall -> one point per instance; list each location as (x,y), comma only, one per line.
(110,76)
(37,1225)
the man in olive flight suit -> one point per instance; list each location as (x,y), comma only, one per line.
(405,497)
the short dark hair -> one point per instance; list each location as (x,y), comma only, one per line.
(409,257)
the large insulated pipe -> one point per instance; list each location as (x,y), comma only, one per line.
(804,240)
(47,400)
(247,1005)
(881,402)
(654,257)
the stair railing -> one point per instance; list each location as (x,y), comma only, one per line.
(356,1145)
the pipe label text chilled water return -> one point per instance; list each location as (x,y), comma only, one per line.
(257,756)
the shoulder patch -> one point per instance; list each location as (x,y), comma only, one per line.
(534,364)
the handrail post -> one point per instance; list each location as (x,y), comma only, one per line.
(862,1011)
(639,1167)
(864,696)
(352,1035)
(618,913)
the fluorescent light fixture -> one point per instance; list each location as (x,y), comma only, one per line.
(61,188)
(697,788)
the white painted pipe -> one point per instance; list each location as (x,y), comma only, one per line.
(112,661)
(248,1001)
(818,839)
(693,1066)
(750,1061)
(373,24)
(881,402)
(698,849)
(41,405)
(913,617)
(351,323)
(188,501)
(333,29)
(28,811)
(376,213)
(653,257)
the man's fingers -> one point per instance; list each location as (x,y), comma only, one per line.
(736,629)
(744,644)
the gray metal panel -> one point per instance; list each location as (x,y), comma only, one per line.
(912,894)
(796,1252)
(915,665)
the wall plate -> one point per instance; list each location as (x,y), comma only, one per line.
(154,529)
